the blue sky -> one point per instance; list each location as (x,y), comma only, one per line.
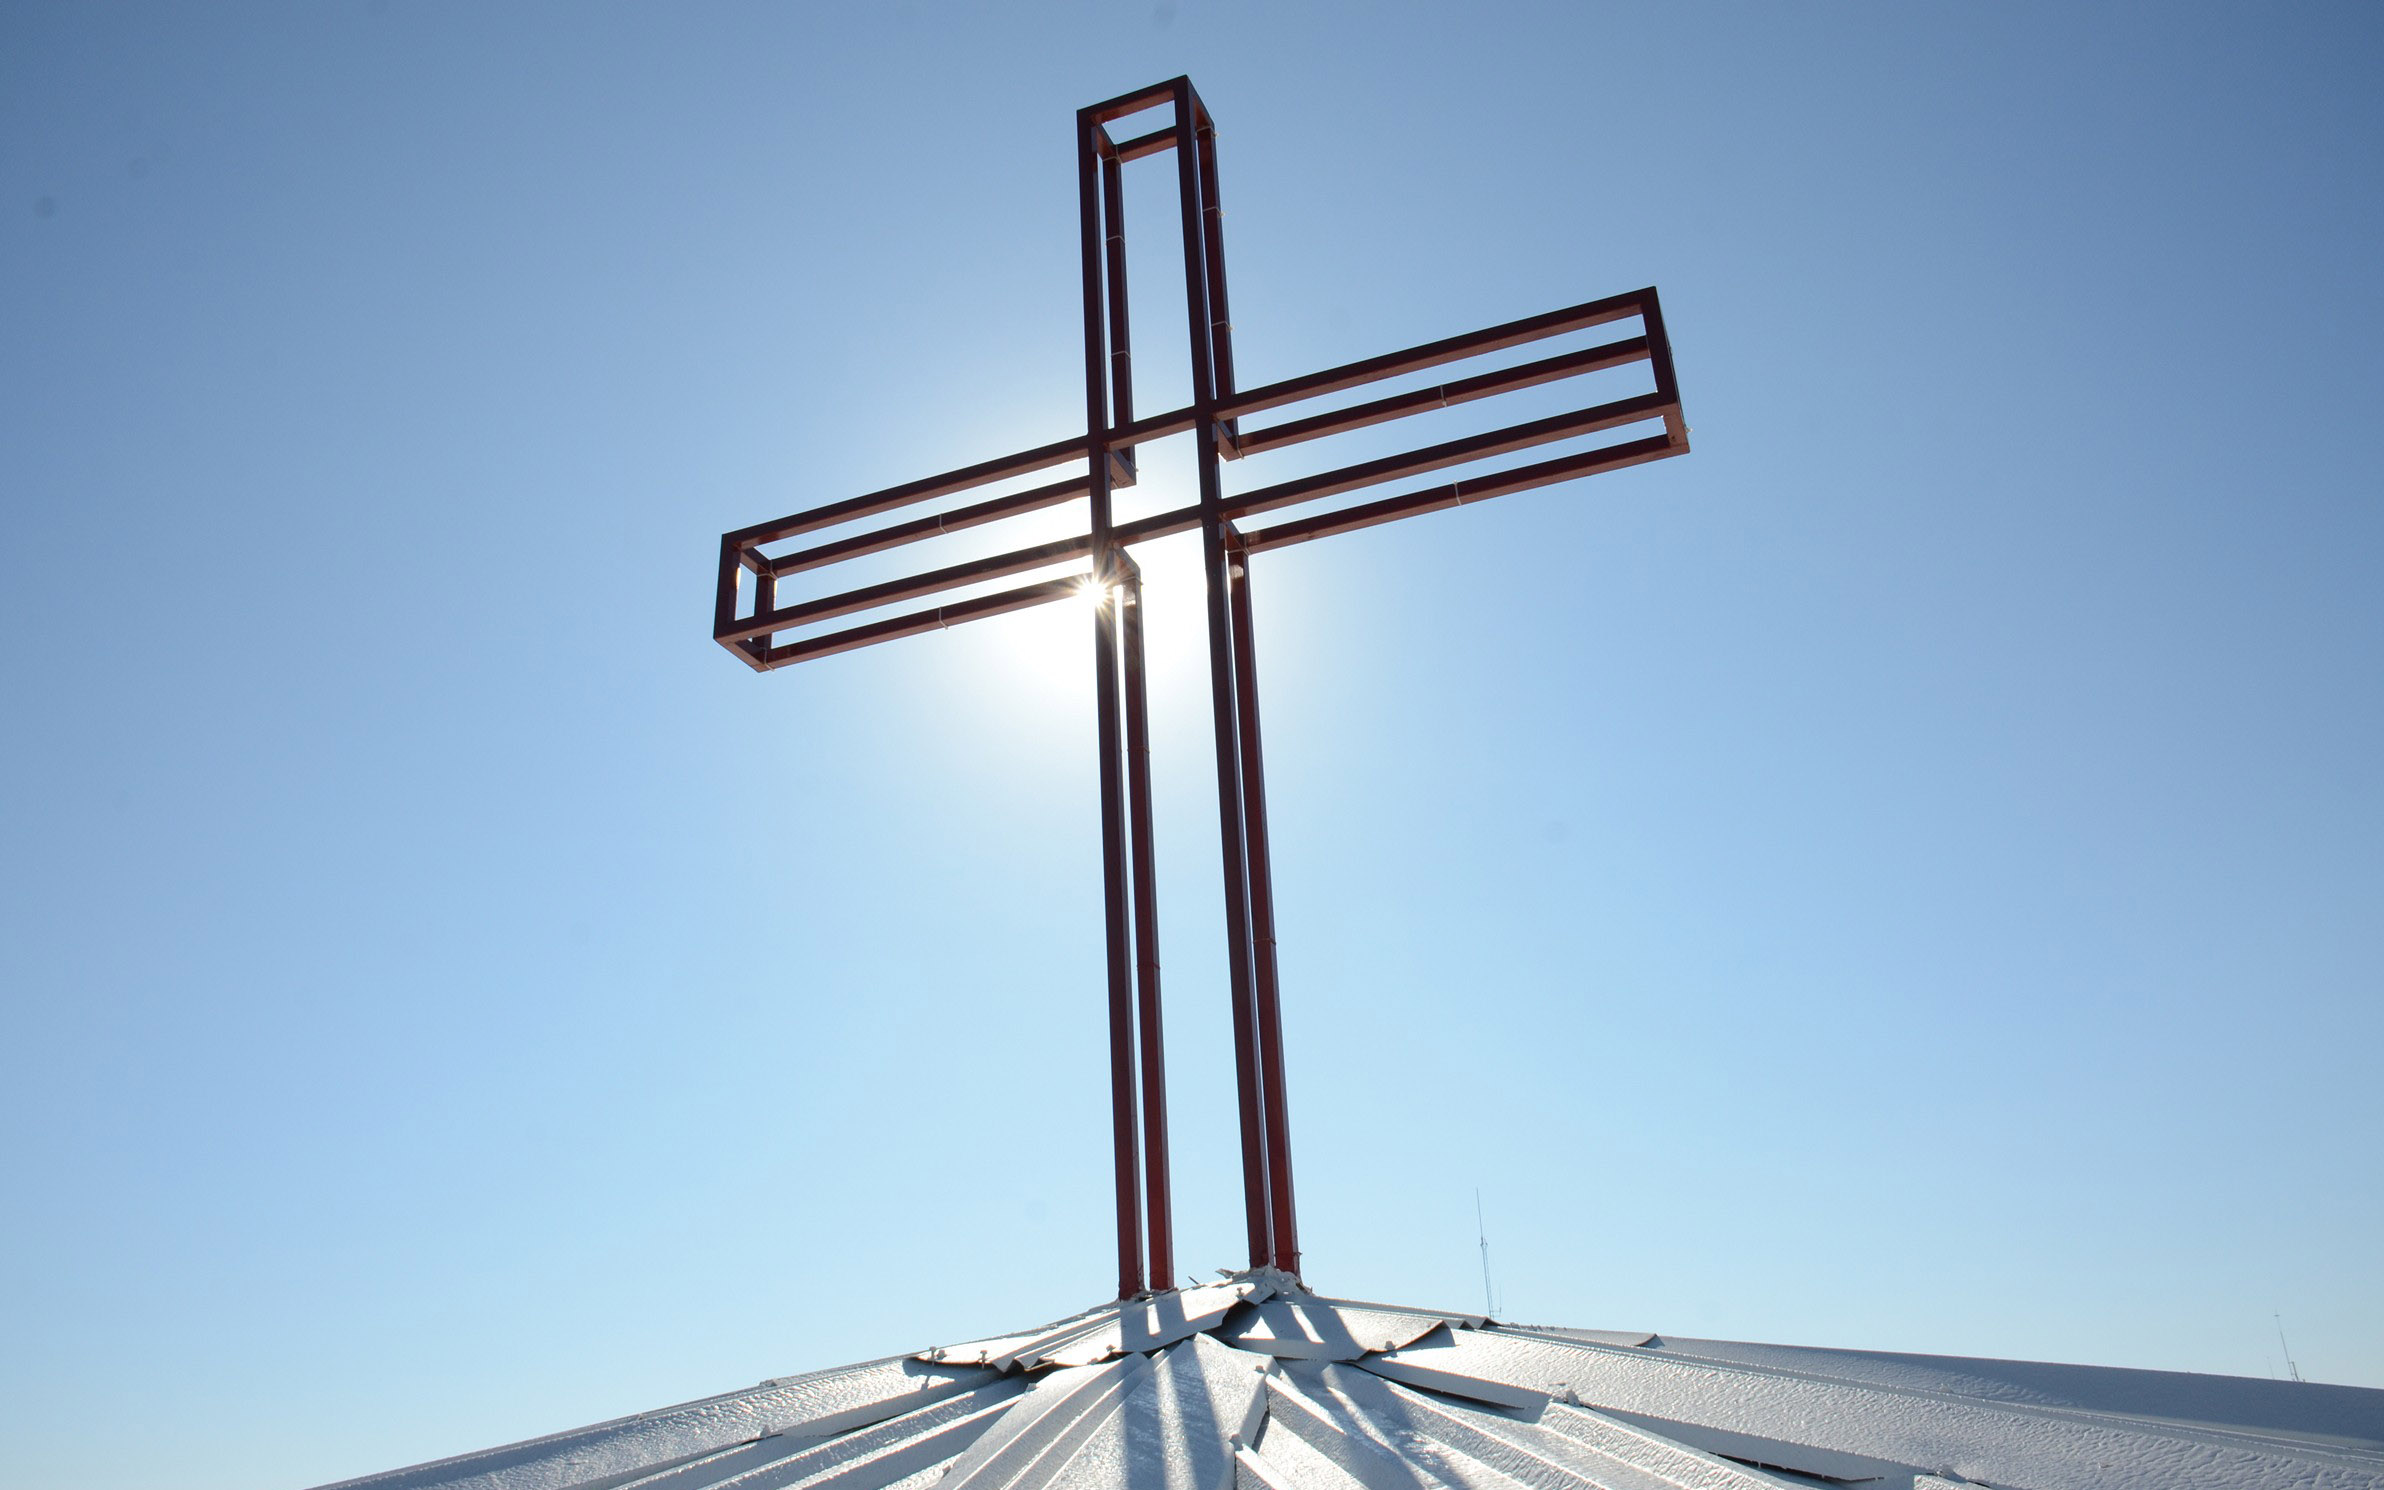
(1905,876)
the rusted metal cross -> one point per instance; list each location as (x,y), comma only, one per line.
(766,631)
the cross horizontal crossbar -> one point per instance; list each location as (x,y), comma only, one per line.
(751,636)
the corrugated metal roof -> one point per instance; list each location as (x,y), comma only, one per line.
(1257,1384)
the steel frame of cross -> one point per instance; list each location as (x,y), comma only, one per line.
(1145,1232)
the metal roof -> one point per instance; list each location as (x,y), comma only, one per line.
(1255,1383)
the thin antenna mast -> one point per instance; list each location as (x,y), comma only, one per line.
(2291,1369)
(1489,1304)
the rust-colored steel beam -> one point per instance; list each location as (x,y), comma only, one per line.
(1283,1235)
(1141,145)
(895,591)
(1212,247)
(1239,972)
(1156,95)
(1124,1063)
(983,473)
(1158,1211)
(1125,1114)
(1651,316)
(1121,356)
(1125,1109)
(959,519)
(1442,352)
(1219,438)
(1158,1201)
(915,623)
(726,582)
(1446,395)
(1505,441)
(1459,493)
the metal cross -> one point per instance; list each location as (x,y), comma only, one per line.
(766,632)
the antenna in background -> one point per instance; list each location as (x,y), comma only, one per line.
(2291,1369)
(1489,1302)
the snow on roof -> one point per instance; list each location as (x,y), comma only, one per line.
(1257,1384)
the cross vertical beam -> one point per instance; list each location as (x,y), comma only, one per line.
(1240,976)
(1222,437)
(1283,1234)
(1269,1209)
(1158,1204)
(1107,386)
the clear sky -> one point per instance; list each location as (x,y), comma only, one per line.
(1905,876)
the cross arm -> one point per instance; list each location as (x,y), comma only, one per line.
(1448,349)
(752,631)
